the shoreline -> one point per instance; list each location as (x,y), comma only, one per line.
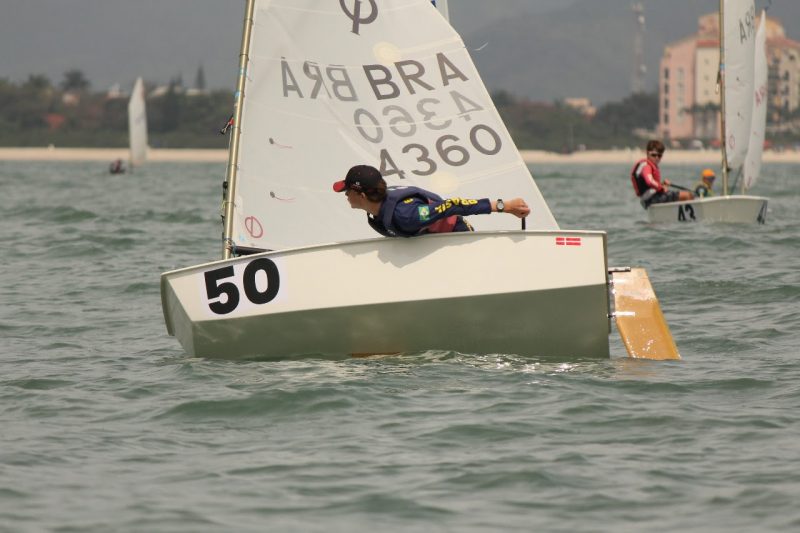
(110,154)
(589,157)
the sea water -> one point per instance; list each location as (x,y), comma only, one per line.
(106,425)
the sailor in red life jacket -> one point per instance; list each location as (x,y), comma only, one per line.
(646,179)
(411,211)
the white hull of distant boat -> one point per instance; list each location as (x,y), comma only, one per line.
(734,209)
(534,293)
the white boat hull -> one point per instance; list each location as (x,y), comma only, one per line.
(735,209)
(530,293)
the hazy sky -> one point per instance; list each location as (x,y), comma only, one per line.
(114,41)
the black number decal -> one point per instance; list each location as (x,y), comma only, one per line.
(684,211)
(762,213)
(214,289)
(273,281)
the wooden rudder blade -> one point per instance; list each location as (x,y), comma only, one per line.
(640,323)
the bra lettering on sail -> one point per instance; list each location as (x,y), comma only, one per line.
(384,82)
(379,75)
(355,14)
(337,76)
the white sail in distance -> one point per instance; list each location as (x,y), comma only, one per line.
(348,83)
(738,41)
(752,165)
(137,124)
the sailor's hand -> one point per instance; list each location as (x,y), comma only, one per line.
(517,207)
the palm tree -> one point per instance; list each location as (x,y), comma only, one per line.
(75,80)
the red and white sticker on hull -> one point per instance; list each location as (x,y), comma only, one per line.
(568,241)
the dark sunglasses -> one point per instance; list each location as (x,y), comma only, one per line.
(656,154)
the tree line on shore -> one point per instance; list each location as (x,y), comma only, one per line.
(36,112)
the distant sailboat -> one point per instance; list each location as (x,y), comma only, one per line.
(737,89)
(137,125)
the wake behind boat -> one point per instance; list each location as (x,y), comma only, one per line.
(392,85)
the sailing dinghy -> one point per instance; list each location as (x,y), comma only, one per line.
(327,85)
(137,125)
(743,101)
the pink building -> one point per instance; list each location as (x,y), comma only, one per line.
(688,94)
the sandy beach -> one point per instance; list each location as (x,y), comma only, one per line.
(109,154)
(700,157)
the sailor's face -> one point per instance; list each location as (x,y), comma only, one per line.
(355,198)
(655,156)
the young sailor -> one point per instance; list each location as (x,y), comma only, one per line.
(411,211)
(646,179)
(116,167)
(705,187)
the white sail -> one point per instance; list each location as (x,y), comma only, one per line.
(137,124)
(752,165)
(370,92)
(739,18)
(441,5)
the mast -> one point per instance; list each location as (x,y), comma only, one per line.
(233,153)
(723,137)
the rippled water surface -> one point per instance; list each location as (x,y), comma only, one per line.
(106,425)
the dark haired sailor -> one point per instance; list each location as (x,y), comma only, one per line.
(410,211)
(646,179)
